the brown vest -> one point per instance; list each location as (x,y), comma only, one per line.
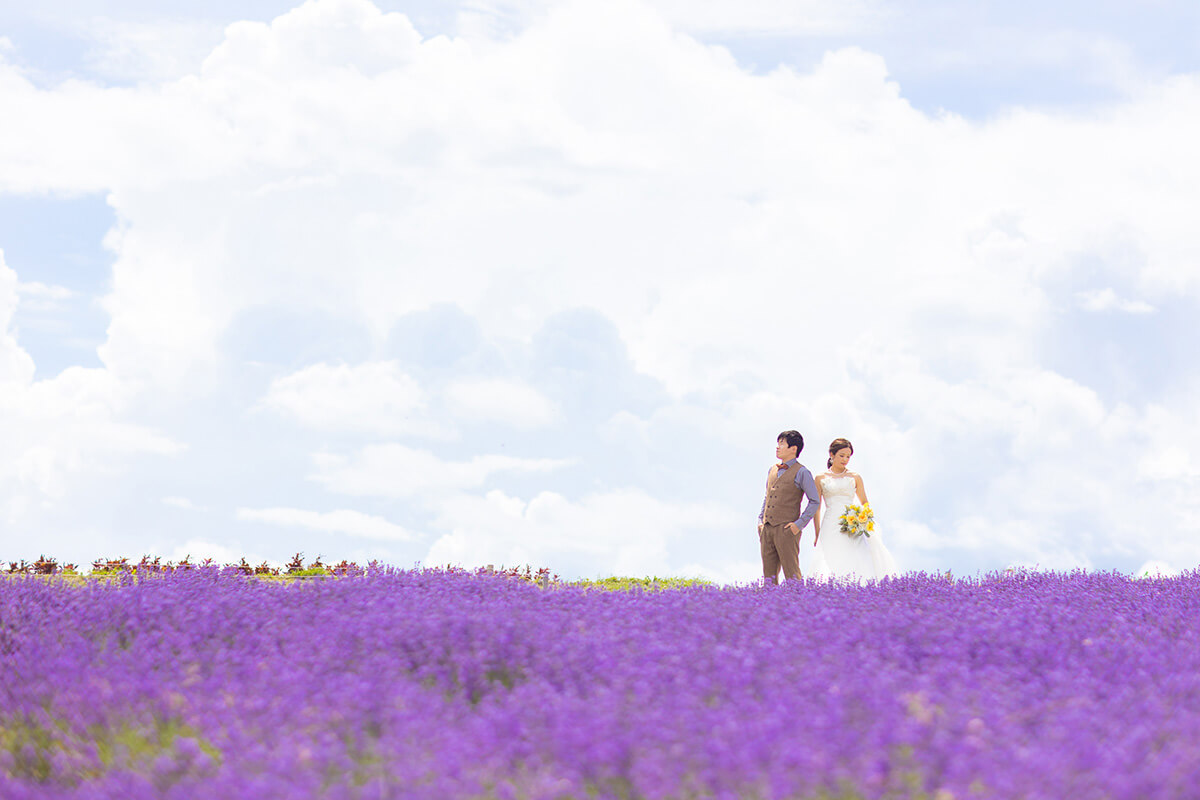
(783,496)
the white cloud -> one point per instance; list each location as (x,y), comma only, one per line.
(54,430)
(182,503)
(789,246)
(343,521)
(1108,300)
(147,52)
(15,364)
(774,17)
(725,573)
(314,36)
(758,146)
(394,470)
(43,291)
(624,532)
(40,298)
(500,400)
(1155,569)
(197,550)
(70,425)
(374,397)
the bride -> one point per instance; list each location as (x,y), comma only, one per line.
(839,555)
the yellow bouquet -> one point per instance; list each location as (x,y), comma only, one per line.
(858,521)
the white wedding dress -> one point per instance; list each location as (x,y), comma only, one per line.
(836,554)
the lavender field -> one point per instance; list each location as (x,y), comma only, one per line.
(206,683)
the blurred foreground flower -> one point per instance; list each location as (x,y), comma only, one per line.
(211,683)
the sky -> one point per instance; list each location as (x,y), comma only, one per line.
(540,282)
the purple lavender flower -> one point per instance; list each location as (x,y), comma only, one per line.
(424,684)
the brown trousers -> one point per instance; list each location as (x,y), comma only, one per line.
(780,548)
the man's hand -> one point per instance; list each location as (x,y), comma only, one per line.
(791,526)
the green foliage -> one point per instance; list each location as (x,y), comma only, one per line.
(112,569)
(79,756)
(625,584)
(309,572)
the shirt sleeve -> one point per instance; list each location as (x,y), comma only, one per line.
(762,512)
(805,481)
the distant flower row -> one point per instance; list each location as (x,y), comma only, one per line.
(295,568)
(206,683)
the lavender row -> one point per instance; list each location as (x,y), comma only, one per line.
(295,568)
(205,683)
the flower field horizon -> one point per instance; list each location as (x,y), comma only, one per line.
(207,683)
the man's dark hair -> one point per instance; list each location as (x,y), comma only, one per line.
(793,439)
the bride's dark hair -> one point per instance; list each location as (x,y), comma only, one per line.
(835,445)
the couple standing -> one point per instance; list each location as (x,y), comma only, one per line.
(785,512)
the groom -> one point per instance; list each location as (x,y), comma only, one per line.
(781,520)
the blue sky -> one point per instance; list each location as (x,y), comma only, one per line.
(539,282)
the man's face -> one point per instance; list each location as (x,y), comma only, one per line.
(784,451)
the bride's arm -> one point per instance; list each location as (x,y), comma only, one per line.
(817,516)
(862,490)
